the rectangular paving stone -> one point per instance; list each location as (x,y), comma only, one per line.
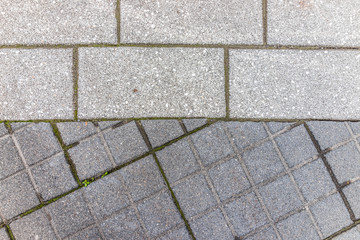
(162,131)
(33,226)
(294,84)
(212,21)
(36,83)
(192,124)
(246,133)
(128,82)
(308,22)
(74,131)
(10,161)
(57,22)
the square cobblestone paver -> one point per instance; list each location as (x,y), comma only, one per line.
(177,160)
(278,126)
(263,162)
(37,142)
(143,178)
(10,161)
(159,213)
(70,214)
(313,23)
(162,131)
(352,234)
(266,234)
(246,133)
(345,162)
(107,195)
(246,214)
(130,82)
(211,226)
(191,124)
(17,195)
(191,22)
(352,193)
(334,220)
(123,226)
(92,233)
(33,226)
(53,177)
(280,197)
(179,234)
(298,227)
(35,83)
(212,143)
(296,146)
(289,84)
(125,143)
(57,22)
(74,131)
(90,158)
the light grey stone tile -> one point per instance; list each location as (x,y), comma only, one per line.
(57,22)
(74,131)
(36,83)
(10,161)
(309,22)
(128,82)
(352,193)
(181,21)
(162,131)
(294,84)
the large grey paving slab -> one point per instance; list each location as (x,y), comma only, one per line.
(308,22)
(36,84)
(212,21)
(57,22)
(294,84)
(129,82)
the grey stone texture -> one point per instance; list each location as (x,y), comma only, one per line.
(212,143)
(92,233)
(246,214)
(90,158)
(334,220)
(229,179)
(266,234)
(179,234)
(345,162)
(192,124)
(329,133)
(280,197)
(355,126)
(57,22)
(162,131)
(10,161)
(17,195)
(125,143)
(53,177)
(159,213)
(263,162)
(246,133)
(123,226)
(278,126)
(143,178)
(128,82)
(352,234)
(352,193)
(309,22)
(211,226)
(313,180)
(296,146)
(298,227)
(294,84)
(177,160)
(163,21)
(3,234)
(35,83)
(74,131)
(37,142)
(18,125)
(106,124)
(3,130)
(107,195)
(33,226)
(196,198)
(70,214)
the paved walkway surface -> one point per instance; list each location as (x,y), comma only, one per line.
(160,119)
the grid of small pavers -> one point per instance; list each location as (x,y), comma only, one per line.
(180,179)
(91,59)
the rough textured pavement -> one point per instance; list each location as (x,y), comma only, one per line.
(160,119)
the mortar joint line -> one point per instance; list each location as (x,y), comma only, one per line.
(211,185)
(251,180)
(52,224)
(265,20)
(75,72)
(289,173)
(183,127)
(227,82)
(118,20)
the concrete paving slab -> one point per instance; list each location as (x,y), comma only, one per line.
(3,234)
(74,131)
(266,234)
(211,21)
(293,84)
(352,192)
(192,124)
(57,22)
(308,22)
(130,82)
(351,234)
(3,130)
(92,233)
(162,131)
(10,161)
(36,83)
(179,234)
